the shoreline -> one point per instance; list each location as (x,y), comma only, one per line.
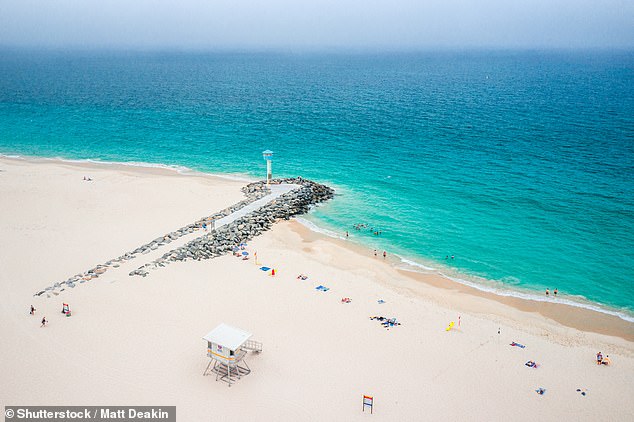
(127,332)
(577,317)
(407,265)
(148,168)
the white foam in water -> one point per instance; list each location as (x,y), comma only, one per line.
(313,227)
(178,169)
(414,264)
(539,298)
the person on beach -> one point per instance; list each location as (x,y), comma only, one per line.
(346,234)
(204,226)
(555,292)
(599,358)
(44,321)
(384,254)
(375,252)
(32,312)
(547,292)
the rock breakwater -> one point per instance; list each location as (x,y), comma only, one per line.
(218,241)
(223,240)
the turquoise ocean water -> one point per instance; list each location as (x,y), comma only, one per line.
(520,164)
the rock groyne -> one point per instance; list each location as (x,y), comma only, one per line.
(223,240)
(218,241)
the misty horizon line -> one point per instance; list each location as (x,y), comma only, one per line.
(294,49)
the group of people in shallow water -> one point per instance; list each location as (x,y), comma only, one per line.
(548,292)
(362,226)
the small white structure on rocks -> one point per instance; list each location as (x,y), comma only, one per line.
(268,156)
(227,347)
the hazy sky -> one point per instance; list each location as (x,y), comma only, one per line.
(384,24)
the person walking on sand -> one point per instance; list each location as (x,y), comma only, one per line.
(599,358)
(346,234)
(44,321)
(32,312)
(384,254)
(375,252)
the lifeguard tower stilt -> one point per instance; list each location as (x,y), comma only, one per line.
(227,347)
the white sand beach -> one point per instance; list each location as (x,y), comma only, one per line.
(138,341)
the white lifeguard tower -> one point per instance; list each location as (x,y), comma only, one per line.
(226,347)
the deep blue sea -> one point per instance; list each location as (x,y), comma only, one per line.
(520,164)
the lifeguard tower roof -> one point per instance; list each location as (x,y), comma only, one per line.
(228,336)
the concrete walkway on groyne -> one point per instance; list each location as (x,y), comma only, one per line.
(276,191)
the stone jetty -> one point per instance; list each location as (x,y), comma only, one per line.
(218,241)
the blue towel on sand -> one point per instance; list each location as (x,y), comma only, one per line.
(264,268)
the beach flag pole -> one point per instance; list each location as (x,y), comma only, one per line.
(368,401)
